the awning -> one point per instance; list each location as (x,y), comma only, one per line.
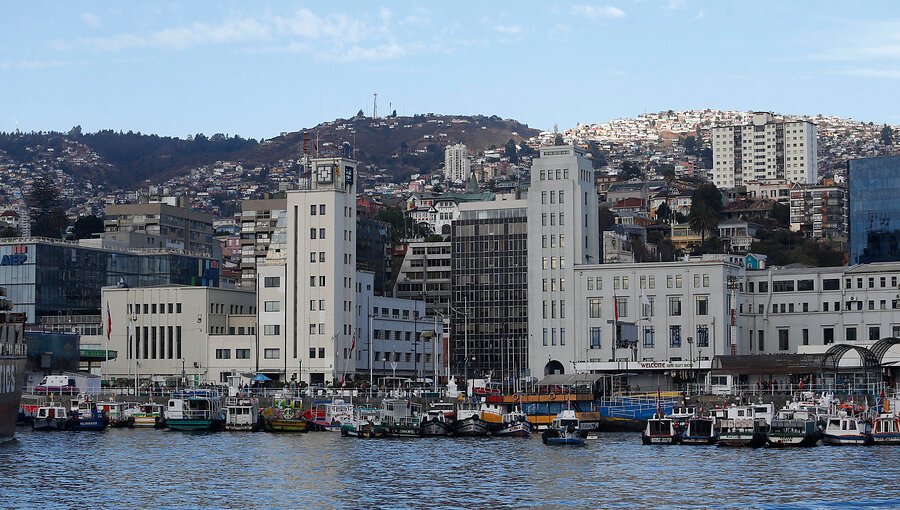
(764,364)
(261,378)
(571,379)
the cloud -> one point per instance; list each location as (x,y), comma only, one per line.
(508,29)
(90,19)
(31,64)
(561,28)
(868,41)
(674,4)
(873,72)
(597,11)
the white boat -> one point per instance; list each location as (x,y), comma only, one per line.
(515,424)
(886,429)
(242,413)
(330,415)
(743,425)
(565,429)
(844,429)
(366,423)
(115,412)
(195,410)
(794,427)
(400,418)
(50,417)
(659,430)
(149,414)
(469,421)
(437,421)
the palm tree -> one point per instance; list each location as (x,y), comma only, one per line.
(703,219)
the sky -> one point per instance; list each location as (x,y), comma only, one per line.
(260,68)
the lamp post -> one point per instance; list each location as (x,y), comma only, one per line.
(416,346)
(690,341)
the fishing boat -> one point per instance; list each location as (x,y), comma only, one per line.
(328,416)
(743,425)
(285,416)
(469,422)
(845,429)
(886,429)
(366,423)
(195,410)
(793,427)
(28,408)
(12,365)
(116,414)
(400,418)
(698,431)
(149,414)
(85,416)
(436,421)
(515,424)
(242,413)
(50,417)
(565,429)
(660,429)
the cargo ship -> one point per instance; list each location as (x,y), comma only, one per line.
(12,366)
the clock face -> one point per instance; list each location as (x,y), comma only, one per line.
(325,174)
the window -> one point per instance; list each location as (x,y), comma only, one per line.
(622,307)
(702,336)
(321,281)
(553,336)
(831,284)
(805,336)
(312,281)
(783,286)
(874,333)
(321,233)
(649,341)
(178,305)
(594,307)
(763,287)
(272,329)
(828,335)
(702,305)
(545,336)
(322,209)
(562,336)
(322,352)
(312,233)
(268,282)
(561,197)
(312,352)
(223,353)
(783,341)
(804,285)
(646,306)
(271,353)
(850,334)
(312,257)
(595,333)
(273,306)
(762,340)
(242,353)
(674,306)
(675,336)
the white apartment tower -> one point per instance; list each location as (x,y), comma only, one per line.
(321,267)
(766,149)
(457,165)
(562,233)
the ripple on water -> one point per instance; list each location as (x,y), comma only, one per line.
(159,469)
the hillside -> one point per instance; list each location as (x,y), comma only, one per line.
(398,146)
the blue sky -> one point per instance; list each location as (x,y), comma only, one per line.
(259,68)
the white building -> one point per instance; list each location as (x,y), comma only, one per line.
(562,234)
(321,267)
(457,165)
(764,150)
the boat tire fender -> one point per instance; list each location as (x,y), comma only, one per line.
(552,396)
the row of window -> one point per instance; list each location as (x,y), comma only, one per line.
(553,195)
(553,216)
(407,357)
(238,354)
(701,306)
(552,309)
(155,342)
(675,281)
(828,306)
(398,335)
(553,244)
(148,308)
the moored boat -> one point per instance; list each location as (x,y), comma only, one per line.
(565,429)
(149,414)
(115,413)
(400,418)
(328,416)
(85,416)
(285,416)
(195,410)
(242,413)
(469,422)
(660,429)
(435,422)
(365,423)
(743,425)
(28,408)
(515,424)
(886,429)
(699,431)
(793,427)
(847,430)
(50,417)
(12,366)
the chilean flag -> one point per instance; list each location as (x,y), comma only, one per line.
(108,321)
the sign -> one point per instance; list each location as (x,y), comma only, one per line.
(18,256)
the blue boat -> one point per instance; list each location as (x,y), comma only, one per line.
(565,430)
(85,416)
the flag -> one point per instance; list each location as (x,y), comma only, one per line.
(646,302)
(108,321)
(616,307)
(658,403)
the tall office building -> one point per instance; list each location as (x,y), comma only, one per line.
(490,289)
(321,269)
(457,165)
(258,220)
(562,233)
(765,149)
(874,184)
(162,224)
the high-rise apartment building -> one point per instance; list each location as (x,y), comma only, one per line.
(321,269)
(819,211)
(258,220)
(765,149)
(165,224)
(457,165)
(424,274)
(874,184)
(563,232)
(490,289)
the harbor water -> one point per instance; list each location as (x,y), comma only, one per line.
(122,468)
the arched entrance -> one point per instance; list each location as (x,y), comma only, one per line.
(868,361)
(554,367)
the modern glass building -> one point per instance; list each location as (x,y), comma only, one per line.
(874,188)
(53,277)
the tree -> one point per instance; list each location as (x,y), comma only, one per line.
(598,157)
(607,219)
(360,113)
(781,214)
(690,145)
(663,211)
(558,140)
(668,172)
(7,231)
(630,170)
(394,114)
(48,218)
(525,149)
(706,210)
(86,226)
(887,135)
(511,152)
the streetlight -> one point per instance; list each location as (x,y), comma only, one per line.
(690,341)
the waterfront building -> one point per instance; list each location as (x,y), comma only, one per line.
(164,219)
(321,268)
(490,288)
(873,187)
(819,211)
(53,277)
(563,233)
(457,165)
(258,219)
(766,149)
(424,274)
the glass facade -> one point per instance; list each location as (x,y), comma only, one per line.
(61,278)
(874,185)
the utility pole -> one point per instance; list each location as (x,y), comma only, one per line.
(733,286)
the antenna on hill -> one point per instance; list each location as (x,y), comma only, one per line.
(375,107)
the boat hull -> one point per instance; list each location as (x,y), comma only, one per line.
(191,425)
(515,429)
(285,425)
(48,424)
(402,431)
(756,440)
(122,423)
(566,438)
(436,428)
(849,440)
(364,431)
(156,422)
(890,438)
(472,427)
(792,440)
(698,440)
(93,424)
(12,377)
(661,440)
